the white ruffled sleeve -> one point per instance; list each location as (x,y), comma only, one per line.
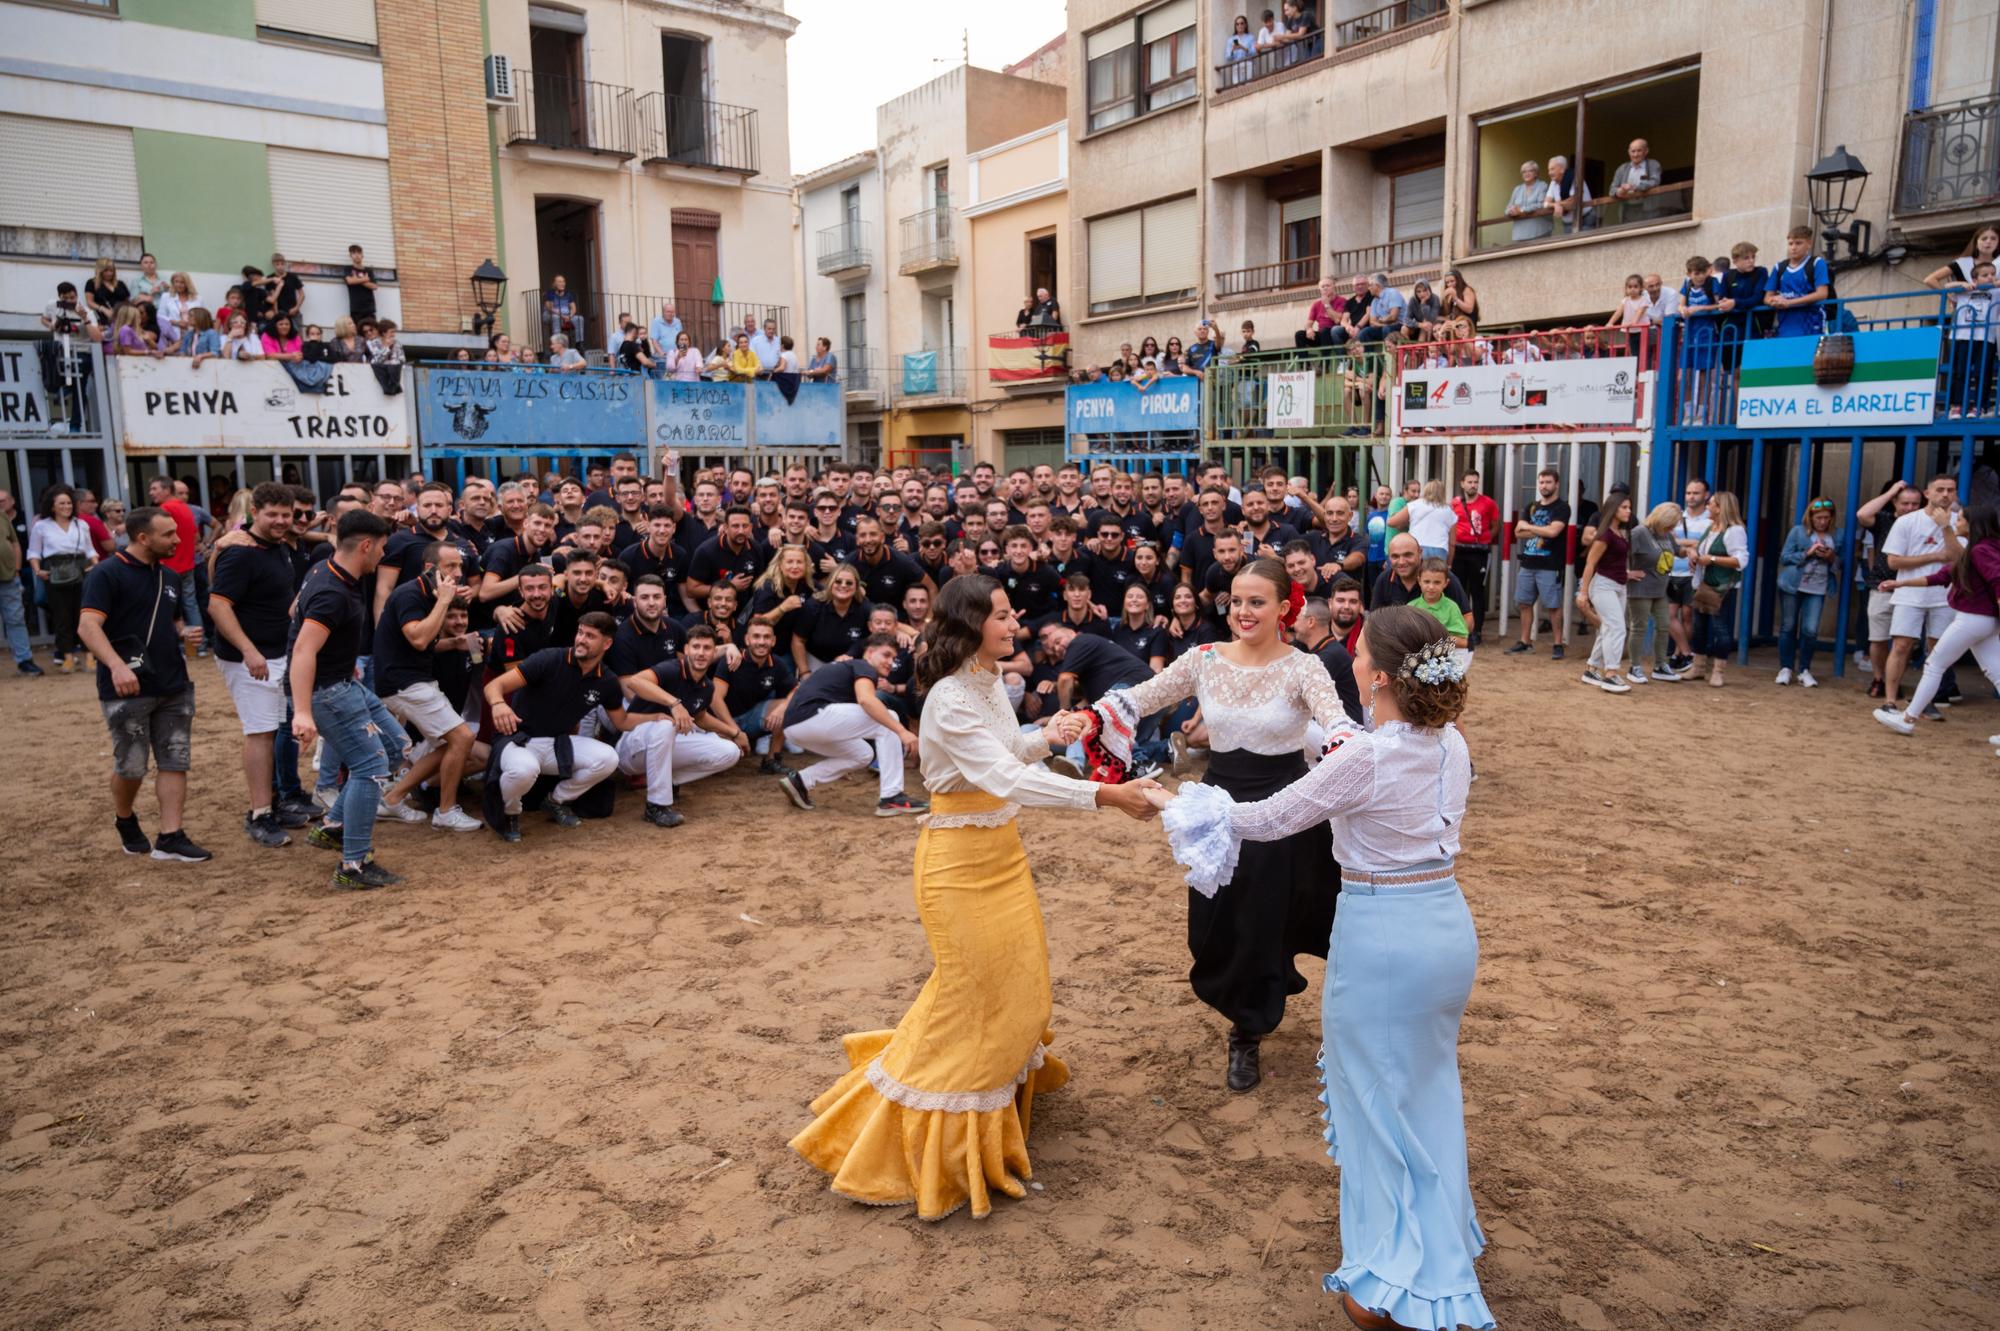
(1206,828)
(1197,823)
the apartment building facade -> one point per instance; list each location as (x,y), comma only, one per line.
(1391,137)
(643,157)
(842,285)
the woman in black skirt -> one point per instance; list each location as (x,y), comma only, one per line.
(1256,694)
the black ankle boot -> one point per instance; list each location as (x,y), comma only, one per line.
(1244,1072)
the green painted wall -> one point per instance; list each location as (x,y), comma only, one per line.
(205,203)
(225,18)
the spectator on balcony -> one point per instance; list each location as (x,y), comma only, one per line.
(284,290)
(314,364)
(348,346)
(105,292)
(1301,39)
(360,280)
(1126,356)
(1149,349)
(1386,312)
(684,363)
(146,288)
(635,353)
(252,295)
(559,314)
(1570,208)
(240,343)
(824,367)
(202,341)
(1975,337)
(1741,286)
(1984,244)
(766,346)
(1528,205)
(1041,315)
(1324,319)
(128,333)
(565,358)
(1201,352)
(1270,35)
(1798,286)
(665,328)
(1170,359)
(171,305)
(1662,302)
(1424,319)
(1148,375)
(499,348)
(281,342)
(621,328)
(744,362)
(1459,304)
(386,353)
(1630,184)
(1242,45)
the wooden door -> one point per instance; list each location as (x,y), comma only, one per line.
(695,269)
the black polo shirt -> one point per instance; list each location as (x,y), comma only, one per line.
(1144,643)
(670,568)
(505,559)
(1160,590)
(1138,524)
(751,683)
(510,649)
(885,580)
(405,552)
(680,684)
(828,633)
(558,694)
(1389,590)
(333,599)
(1339,664)
(826,686)
(257,581)
(568,612)
(1101,665)
(1108,580)
(713,563)
(1031,593)
(634,649)
(765,599)
(477,537)
(124,591)
(398,664)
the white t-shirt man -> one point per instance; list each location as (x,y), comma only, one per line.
(1692,527)
(1915,534)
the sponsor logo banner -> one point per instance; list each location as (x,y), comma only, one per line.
(1599,392)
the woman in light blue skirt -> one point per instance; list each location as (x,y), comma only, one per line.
(1398,973)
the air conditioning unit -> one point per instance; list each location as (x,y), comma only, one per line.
(499,79)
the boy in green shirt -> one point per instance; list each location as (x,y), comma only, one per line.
(1432,579)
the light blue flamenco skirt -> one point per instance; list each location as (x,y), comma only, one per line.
(1398,975)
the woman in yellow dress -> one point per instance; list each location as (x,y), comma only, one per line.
(936,1111)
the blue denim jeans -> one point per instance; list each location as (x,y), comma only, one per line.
(190,602)
(368,742)
(1715,635)
(16,620)
(751,723)
(1798,628)
(285,756)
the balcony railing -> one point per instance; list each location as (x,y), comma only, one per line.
(1249,69)
(556,111)
(1417,256)
(1381,22)
(928,241)
(1658,204)
(936,373)
(860,371)
(1349,394)
(1302,272)
(705,321)
(845,248)
(1950,157)
(693,131)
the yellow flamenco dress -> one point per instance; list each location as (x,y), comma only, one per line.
(936,1112)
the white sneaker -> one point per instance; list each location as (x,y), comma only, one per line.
(1666,674)
(1806,681)
(455,819)
(1784,678)
(399,810)
(1636,676)
(1591,677)
(1894,718)
(1994,740)
(1613,684)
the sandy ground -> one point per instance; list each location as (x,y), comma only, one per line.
(1728,1063)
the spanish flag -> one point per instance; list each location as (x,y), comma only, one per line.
(1017,360)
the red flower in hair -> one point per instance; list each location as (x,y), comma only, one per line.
(1294,603)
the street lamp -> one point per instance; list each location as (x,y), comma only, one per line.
(1834,187)
(488,284)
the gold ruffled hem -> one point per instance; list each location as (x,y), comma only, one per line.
(882,1153)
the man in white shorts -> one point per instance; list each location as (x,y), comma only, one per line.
(680,730)
(406,680)
(1919,544)
(1877,518)
(250,599)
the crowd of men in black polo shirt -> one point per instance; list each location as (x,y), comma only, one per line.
(539,638)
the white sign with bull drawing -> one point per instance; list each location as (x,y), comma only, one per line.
(172,405)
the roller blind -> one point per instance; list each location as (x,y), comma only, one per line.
(1106,40)
(1114,258)
(1170,17)
(346,20)
(1298,210)
(64,175)
(323,202)
(1418,204)
(1172,260)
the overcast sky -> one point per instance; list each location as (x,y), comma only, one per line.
(850,56)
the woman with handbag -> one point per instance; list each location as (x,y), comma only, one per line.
(61,551)
(1646,606)
(1601,593)
(1720,562)
(1808,572)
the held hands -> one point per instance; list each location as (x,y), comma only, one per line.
(1064,727)
(1134,799)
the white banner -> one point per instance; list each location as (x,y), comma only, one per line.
(1558,392)
(172,405)
(24,407)
(1288,400)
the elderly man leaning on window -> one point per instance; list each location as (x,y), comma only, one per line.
(1528,205)
(1570,207)
(1637,174)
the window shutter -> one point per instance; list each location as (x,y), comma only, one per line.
(1106,40)
(1168,18)
(1298,210)
(323,202)
(1172,258)
(63,175)
(1114,258)
(344,20)
(1418,197)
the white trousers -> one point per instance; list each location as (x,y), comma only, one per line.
(847,738)
(666,757)
(1978,634)
(1607,649)
(520,764)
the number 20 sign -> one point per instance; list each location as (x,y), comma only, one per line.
(1288,400)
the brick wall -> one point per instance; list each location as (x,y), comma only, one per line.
(440,171)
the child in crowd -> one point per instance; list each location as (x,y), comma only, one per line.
(1433,577)
(1798,286)
(1973,334)
(1699,300)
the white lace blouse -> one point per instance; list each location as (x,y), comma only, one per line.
(1395,796)
(1262,709)
(970,740)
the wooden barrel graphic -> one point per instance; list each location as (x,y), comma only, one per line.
(1833,360)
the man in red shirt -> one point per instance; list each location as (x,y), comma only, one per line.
(1323,321)
(1478,519)
(100,535)
(160,493)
